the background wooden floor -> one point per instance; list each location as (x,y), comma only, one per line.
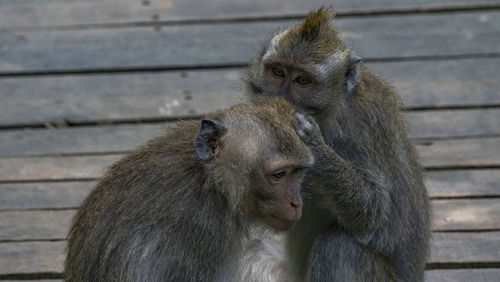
(84,82)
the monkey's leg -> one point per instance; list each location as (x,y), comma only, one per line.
(338,256)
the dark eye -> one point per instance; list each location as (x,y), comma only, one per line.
(302,80)
(279,174)
(278,72)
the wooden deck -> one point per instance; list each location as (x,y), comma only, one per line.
(84,82)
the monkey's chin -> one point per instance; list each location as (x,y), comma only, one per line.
(279,223)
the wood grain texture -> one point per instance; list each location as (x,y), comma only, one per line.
(229,43)
(44,195)
(443,82)
(92,139)
(463,183)
(64,12)
(32,257)
(449,215)
(461,153)
(462,275)
(435,154)
(117,97)
(466,214)
(454,123)
(443,184)
(38,225)
(114,97)
(55,168)
(123,138)
(465,247)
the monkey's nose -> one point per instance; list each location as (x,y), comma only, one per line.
(296,204)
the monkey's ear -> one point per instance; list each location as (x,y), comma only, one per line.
(208,141)
(353,74)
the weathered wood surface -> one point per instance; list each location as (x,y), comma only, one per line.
(475,183)
(442,275)
(84,98)
(33,257)
(480,214)
(54,195)
(482,247)
(463,183)
(449,215)
(462,275)
(435,154)
(222,43)
(35,225)
(72,140)
(63,12)
(461,153)
(122,138)
(112,97)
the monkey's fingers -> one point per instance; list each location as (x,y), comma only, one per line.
(308,130)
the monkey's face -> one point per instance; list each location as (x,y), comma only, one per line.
(255,155)
(275,189)
(308,65)
(301,84)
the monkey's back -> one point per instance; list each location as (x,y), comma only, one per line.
(145,216)
(379,140)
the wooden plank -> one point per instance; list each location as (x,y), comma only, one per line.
(98,139)
(461,153)
(122,138)
(33,257)
(32,13)
(33,280)
(482,247)
(440,184)
(58,168)
(44,195)
(463,275)
(441,275)
(435,154)
(454,123)
(37,225)
(223,43)
(449,215)
(116,97)
(463,183)
(466,214)
(44,280)
(83,98)
(443,82)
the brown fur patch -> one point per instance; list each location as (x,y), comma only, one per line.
(311,27)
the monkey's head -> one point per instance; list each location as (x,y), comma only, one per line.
(307,64)
(255,157)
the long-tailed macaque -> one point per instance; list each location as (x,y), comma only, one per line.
(366,211)
(180,207)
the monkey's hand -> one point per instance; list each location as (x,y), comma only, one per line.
(310,133)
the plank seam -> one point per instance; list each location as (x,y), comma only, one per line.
(231,20)
(152,69)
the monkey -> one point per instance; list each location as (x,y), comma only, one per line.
(366,211)
(180,207)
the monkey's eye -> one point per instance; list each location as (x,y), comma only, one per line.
(278,72)
(279,174)
(302,80)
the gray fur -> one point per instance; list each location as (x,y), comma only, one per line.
(366,213)
(176,211)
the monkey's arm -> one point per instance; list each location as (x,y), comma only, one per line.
(359,200)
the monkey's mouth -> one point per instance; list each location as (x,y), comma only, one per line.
(280,223)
